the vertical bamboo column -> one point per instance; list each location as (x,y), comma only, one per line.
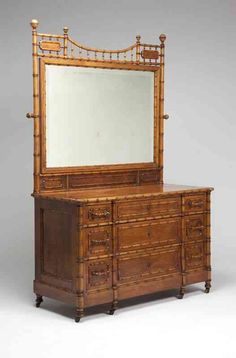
(138,37)
(114,305)
(34,24)
(208,242)
(161,105)
(65,44)
(183,264)
(80,280)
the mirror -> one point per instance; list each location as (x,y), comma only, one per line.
(97,116)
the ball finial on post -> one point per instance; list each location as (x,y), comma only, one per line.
(162,38)
(34,24)
(138,38)
(65,29)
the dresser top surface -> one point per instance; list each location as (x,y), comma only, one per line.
(117,193)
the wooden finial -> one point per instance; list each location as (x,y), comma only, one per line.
(162,38)
(34,24)
(65,29)
(138,37)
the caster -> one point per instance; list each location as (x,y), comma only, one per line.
(181,293)
(207,286)
(39,300)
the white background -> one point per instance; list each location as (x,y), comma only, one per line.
(199,149)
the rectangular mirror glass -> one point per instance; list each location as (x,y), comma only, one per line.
(98,116)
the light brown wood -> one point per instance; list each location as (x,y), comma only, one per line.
(104,234)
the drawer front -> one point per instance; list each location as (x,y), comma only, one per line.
(97,240)
(194,203)
(148,234)
(99,274)
(195,257)
(194,227)
(99,213)
(144,266)
(147,208)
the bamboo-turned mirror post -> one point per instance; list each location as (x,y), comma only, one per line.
(65,42)
(161,105)
(34,24)
(138,38)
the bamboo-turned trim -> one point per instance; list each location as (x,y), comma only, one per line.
(138,37)
(65,41)
(34,24)
(80,280)
(114,264)
(183,263)
(128,58)
(161,105)
(208,236)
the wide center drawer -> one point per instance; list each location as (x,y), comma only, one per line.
(152,233)
(134,209)
(156,264)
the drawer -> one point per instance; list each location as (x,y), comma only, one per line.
(195,257)
(194,227)
(194,203)
(99,274)
(135,209)
(146,265)
(160,232)
(97,240)
(98,213)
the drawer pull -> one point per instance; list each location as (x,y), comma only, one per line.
(199,256)
(100,242)
(99,214)
(196,228)
(195,204)
(100,273)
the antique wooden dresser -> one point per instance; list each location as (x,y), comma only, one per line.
(110,230)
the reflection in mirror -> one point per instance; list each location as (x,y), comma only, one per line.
(98,116)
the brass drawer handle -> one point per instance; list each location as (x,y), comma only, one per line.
(100,242)
(195,204)
(99,214)
(100,273)
(196,228)
(196,256)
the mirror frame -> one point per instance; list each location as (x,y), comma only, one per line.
(97,64)
(62,50)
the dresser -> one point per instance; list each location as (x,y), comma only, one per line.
(103,246)
(107,228)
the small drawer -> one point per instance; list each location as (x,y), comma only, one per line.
(99,274)
(194,203)
(99,213)
(148,234)
(195,257)
(97,240)
(194,227)
(134,209)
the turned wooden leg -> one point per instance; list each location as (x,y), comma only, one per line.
(113,308)
(39,300)
(181,293)
(79,313)
(207,286)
